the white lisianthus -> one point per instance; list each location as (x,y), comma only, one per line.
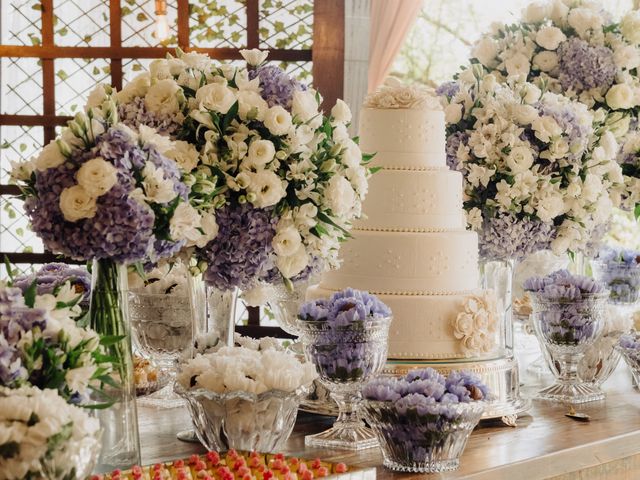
(485,50)
(137,87)
(184,154)
(196,60)
(546,128)
(286,241)
(209,228)
(304,105)
(545,61)
(550,37)
(340,133)
(592,188)
(260,153)
(530,93)
(584,20)
(50,157)
(78,379)
(97,176)
(524,114)
(474,219)
(453,113)
(351,155)
(340,196)
(216,97)
(160,69)
(162,98)
(341,112)
(76,204)
(621,97)
(536,12)
(267,188)
(292,265)
(22,171)
(148,135)
(630,27)
(156,188)
(550,207)
(251,105)
(97,96)
(627,57)
(277,120)
(185,224)
(520,159)
(609,144)
(518,65)
(254,57)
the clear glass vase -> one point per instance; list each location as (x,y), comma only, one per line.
(600,359)
(497,275)
(109,316)
(631,355)
(221,311)
(565,330)
(346,357)
(74,459)
(623,281)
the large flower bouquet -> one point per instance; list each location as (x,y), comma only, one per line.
(284,180)
(575,48)
(532,177)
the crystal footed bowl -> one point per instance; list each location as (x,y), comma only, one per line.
(423,442)
(623,281)
(600,359)
(74,459)
(629,348)
(242,420)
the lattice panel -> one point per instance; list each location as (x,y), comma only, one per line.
(21,86)
(131,67)
(16,144)
(138,23)
(80,23)
(300,70)
(15,235)
(218,24)
(286,24)
(17,268)
(75,79)
(20,23)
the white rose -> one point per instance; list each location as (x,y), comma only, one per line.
(50,157)
(627,57)
(78,378)
(485,50)
(216,97)
(453,113)
(162,98)
(97,96)
(156,188)
(97,176)
(341,112)
(339,196)
(160,69)
(304,105)
(277,120)
(536,12)
(518,66)
(550,37)
(251,103)
(286,242)
(254,57)
(76,203)
(292,265)
(545,61)
(184,154)
(267,188)
(261,152)
(630,26)
(584,20)
(135,88)
(520,159)
(621,97)
(530,93)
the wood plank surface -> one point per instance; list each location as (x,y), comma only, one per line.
(545,444)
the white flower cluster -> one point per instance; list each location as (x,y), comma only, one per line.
(527,153)
(38,427)
(476,325)
(244,369)
(167,278)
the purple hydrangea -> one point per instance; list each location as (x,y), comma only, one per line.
(583,67)
(562,285)
(135,113)
(52,275)
(577,133)
(448,89)
(453,143)
(506,236)
(619,270)
(276,86)
(241,255)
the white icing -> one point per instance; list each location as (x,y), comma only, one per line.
(399,96)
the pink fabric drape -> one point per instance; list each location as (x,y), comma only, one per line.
(390,23)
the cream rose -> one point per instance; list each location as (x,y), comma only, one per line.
(621,97)
(463,325)
(50,157)
(627,57)
(267,188)
(286,242)
(260,153)
(341,112)
(292,265)
(277,120)
(76,204)
(545,61)
(584,19)
(550,37)
(97,176)
(216,97)
(520,159)
(162,98)
(518,66)
(184,154)
(630,26)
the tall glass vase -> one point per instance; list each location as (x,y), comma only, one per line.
(497,275)
(109,316)
(221,309)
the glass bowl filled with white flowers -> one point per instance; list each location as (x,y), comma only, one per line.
(243,398)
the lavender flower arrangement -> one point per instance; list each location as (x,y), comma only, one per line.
(567,308)
(620,271)
(424,417)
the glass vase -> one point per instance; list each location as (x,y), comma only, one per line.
(497,275)
(565,330)
(221,308)
(109,316)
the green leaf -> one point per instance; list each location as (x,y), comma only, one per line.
(374,170)
(7,266)
(636,211)
(30,294)
(109,340)
(139,268)
(141,17)
(62,75)
(327,219)
(572,255)
(229,116)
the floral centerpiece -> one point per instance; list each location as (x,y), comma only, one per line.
(578,50)
(620,270)
(423,420)
(45,437)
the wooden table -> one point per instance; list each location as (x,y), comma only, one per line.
(545,444)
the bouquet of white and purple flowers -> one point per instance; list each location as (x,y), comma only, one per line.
(576,48)
(532,179)
(620,271)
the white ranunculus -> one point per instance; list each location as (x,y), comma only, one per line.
(78,379)
(550,37)
(546,128)
(156,188)
(453,113)
(630,27)
(50,157)
(76,204)
(162,98)
(267,188)
(160,69)
(584,20)
(518,65)
(545,61)
(536,12)
(184,224)
(260,153)
(341,112)
(304,105)
(292,265)
(340,196)
(277,120)
(216,97)
(135,88)
(621,97)
(486,50)
(97,176)
(627,57)
(254,57)
(251,103)
(97,96)
(184,154)
(286,241)
(520,159)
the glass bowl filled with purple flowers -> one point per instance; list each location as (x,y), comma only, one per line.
(568,317)
(619,270)
(423,420)
(629,347)
(345,337)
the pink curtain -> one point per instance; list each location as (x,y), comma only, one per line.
(390,23)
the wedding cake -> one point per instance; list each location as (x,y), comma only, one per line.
(411,248)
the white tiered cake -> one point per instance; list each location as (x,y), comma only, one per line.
(412,249)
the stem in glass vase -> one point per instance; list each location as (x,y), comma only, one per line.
(347,409)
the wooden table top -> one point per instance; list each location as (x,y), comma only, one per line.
(545,443)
